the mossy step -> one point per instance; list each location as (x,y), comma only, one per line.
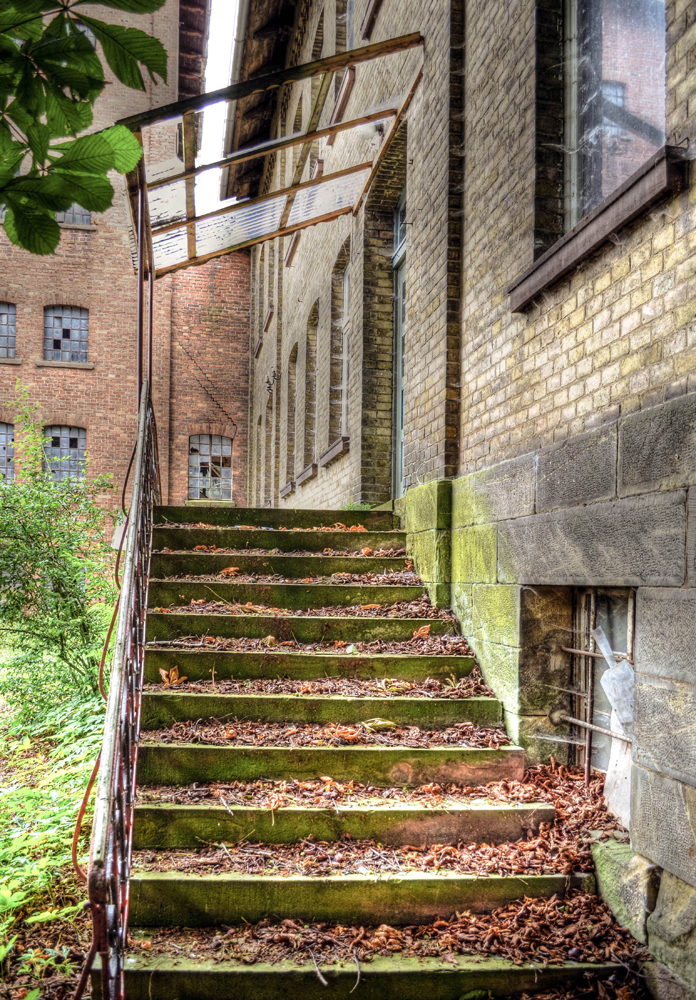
(301,628)
(165,827)
(265,517)
(384,767)
(161,977)
(173,899)
(286,541)
(279,595)
(200,665)
(166,564)
(162,708)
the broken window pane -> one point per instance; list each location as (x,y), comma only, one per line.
(66,333)
(6,452)
(8,329)
(65,449)
(210,467)
(615,96)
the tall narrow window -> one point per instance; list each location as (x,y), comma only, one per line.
(340,346)
(399,419)
(310,399)
(8,329)
(615,95)
(292,415)
(75,215)
(66,452)
(210,467)
(6,452)
(66,333)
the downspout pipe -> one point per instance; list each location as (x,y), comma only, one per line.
(238,52)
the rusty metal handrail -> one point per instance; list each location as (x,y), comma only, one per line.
(111,844)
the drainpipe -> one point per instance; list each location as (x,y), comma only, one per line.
(242,23)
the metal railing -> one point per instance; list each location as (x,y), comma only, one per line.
(112,826)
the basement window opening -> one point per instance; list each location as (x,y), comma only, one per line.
(65,450)
(8,330)
(210,467)
(66,333)
(6,452)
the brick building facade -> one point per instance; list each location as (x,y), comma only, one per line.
(538,432)
(200,318)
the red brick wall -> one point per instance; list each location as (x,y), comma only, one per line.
(209,365)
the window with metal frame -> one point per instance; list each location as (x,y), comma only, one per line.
(210,467)
(8,330)
(6,452)
(66,333)
(615,96)
(65,449)
(75,215)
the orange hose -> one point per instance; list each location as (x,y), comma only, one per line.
(80,816)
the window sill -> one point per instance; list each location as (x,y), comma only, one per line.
(309,473)
(79,226)
(287,489)
(10,361)
(82,365)
(337,449)
(664,173)
(209,503)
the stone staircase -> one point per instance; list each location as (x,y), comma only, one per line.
(190,839)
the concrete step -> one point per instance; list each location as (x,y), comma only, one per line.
(174,899)
(199,665)
(268,517)
(162,708)
(301,628)
(279,595)
(285,541)
(163,826)
(384,767)
(395,977)
(166,564)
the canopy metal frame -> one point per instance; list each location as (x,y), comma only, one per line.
(139,187)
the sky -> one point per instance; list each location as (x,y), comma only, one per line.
(223,23)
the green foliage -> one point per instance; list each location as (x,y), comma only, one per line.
(56,587)
(50,77)
(44,769)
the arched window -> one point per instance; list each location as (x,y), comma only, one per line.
(291,415)
(340,345)
(310,399)
(8,330)
(66,333)
(210,467)
(6,452)
(66,452)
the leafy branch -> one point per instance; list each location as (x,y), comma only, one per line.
(50,76)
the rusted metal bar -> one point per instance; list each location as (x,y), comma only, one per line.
(141,288)
(586,652)
(556,718)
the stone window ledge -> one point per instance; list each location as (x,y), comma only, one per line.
(287,489)
(10,361)
(91,228)
(309,473)
(83,365)
(664,173)
(334,451)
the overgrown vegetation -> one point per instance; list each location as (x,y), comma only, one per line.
(56,600)
(50,77)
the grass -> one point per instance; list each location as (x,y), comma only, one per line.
(44,770)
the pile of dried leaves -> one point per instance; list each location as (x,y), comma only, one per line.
(372,732)
(53,953)
(577,927)
(383,553)
(420,608)
(422,644)
(392,578)
(337,526)
(346,687)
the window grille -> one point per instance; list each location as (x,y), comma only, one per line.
(210,467)
(65,449)
(76,214)
(6,452)
(66,333)
(8,329)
